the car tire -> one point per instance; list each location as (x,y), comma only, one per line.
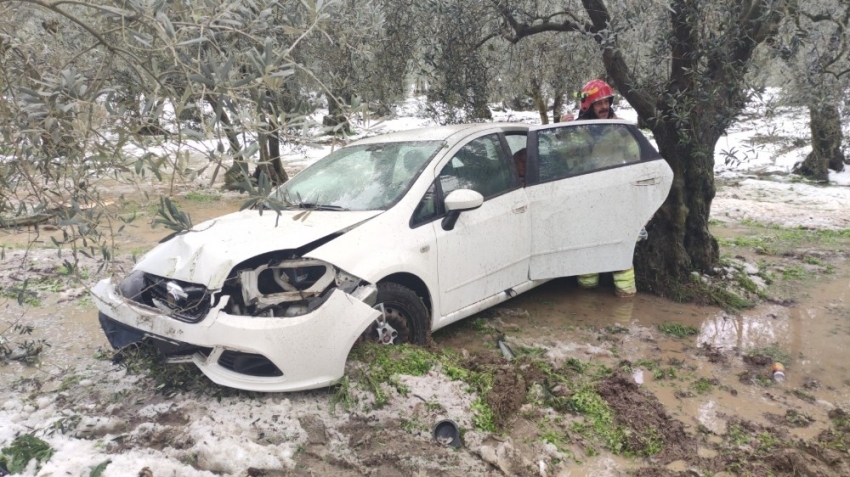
(407,317)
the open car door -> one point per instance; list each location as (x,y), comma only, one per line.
(591,186)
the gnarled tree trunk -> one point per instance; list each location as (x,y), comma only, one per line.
(825,124)
(679,238)
(539,101)
(558,106)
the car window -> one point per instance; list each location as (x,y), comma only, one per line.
(427,208)
(481,166)
(581,149)
(363,177)
(516,141)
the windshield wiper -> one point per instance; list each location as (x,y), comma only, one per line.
(308,205)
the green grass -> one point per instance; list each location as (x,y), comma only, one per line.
(385,363)
(676,329)
(737,435)
(483,416)
(22,450)
(599,420)
(747,283)
(794,272)
(202,198)
(774,239)
(343,396)
(665,373)
(774,352)
(695,291)
(702,385)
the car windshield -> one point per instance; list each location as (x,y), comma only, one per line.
(365,177)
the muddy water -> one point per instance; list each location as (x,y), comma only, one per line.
(814,333)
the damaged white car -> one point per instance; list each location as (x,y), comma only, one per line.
(388,239)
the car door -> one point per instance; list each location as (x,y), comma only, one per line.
(487,250)
(592,186)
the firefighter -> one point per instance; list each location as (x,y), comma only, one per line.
(597,102)
(593,105)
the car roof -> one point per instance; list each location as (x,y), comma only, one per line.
(440,133)
(579,123)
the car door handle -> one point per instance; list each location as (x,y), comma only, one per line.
(520,210)
(647,181)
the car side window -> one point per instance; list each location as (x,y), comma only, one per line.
(427,208)
(581,149)
(516,141)
(480,165)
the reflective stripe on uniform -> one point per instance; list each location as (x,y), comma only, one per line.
(624,282)
(588,281)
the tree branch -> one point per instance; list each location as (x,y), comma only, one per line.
(615,64)
(522,29)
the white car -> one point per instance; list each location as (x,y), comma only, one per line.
(389,238)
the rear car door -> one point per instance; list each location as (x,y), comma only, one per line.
(592,185)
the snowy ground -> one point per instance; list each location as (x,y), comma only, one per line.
(221,437)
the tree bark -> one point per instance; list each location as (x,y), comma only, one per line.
(558,106)
(825,124)
(336,116)
(679,239)
(539,101)
(270,159)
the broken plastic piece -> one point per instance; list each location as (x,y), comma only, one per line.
(446,433)
(505,349)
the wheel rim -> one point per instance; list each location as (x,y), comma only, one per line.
(392,327)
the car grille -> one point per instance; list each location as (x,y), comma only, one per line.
(250,364)
(189,307)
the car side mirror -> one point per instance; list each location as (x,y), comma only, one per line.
(458,201)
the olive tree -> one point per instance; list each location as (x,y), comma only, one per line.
(86,83)
(817,50)
(457,68)
(362,53)
(682,65)
(543,67)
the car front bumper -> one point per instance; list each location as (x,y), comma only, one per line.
(309,350)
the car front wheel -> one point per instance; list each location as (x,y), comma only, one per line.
(404,318)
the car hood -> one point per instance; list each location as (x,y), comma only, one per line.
(206,254)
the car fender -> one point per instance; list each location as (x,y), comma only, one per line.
(384,246)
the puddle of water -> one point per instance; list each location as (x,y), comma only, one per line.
(598,466)
(813,333)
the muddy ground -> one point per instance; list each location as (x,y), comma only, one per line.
(597,385)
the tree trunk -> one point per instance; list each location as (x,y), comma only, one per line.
(539,102)
(270,159)
(825,124)
(336,116)
(274,157)
(679,239)
(558,106)
(239,169)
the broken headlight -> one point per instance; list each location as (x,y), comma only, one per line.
(294,287)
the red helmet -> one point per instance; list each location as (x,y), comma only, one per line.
(593,91)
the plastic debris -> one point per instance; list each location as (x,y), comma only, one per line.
(778,371)
(505,349)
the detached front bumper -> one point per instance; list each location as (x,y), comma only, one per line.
(309,350)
